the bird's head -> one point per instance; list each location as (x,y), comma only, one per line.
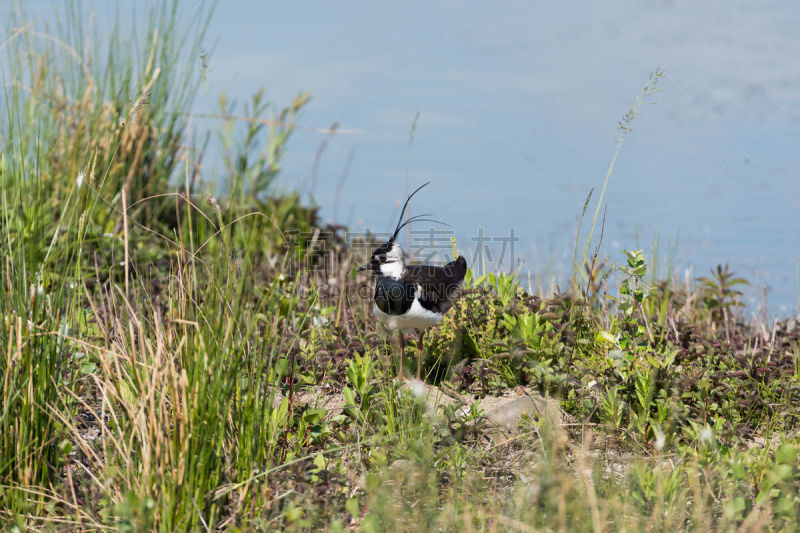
(386,260)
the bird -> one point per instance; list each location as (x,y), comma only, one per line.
(412,297)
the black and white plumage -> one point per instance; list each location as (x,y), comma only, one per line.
(412,297)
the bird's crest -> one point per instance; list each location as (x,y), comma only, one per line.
(418,218)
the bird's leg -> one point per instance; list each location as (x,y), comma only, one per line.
(419,352)
(402,350)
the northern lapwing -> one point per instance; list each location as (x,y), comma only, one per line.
(412,297)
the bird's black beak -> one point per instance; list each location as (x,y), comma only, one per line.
(364,267)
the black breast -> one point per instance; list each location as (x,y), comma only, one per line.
(393,297)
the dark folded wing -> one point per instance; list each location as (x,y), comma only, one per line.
(439,284)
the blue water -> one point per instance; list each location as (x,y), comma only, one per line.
(518,109)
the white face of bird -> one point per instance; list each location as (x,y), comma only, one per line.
(387,260)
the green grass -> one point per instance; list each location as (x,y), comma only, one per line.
(177,361)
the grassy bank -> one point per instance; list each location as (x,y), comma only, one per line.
(177,361)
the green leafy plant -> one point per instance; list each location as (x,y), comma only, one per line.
(613,407)
(720,294)
(504,285)
(359,398)
(633,289)
(780,482)
(529,327)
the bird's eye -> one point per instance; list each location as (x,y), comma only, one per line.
(382,258)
